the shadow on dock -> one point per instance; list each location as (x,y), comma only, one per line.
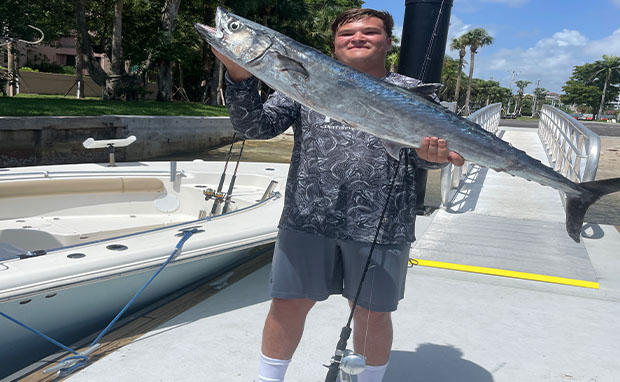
(434,363)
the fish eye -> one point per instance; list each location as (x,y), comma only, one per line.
(234,26)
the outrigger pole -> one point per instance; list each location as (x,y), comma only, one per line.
(232,180)
(422,50)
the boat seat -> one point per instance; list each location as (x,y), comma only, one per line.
(9,252)
(43,187)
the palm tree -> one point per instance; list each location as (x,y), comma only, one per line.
(475,39)
(608,67)
(521,84)
(460,44)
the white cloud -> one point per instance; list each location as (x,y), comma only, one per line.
(567,38)
(512,3)
(551,60)
(457,28)
(616,2)
(609,45)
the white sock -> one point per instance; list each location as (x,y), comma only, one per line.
(271,369)
(372,374)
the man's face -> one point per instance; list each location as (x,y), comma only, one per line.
(361,42)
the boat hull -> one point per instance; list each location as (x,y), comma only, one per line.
(103,232)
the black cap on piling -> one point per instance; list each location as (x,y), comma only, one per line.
(422,49)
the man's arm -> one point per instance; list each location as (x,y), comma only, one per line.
(235,72)
(248,115)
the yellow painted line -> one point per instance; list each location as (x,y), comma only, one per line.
(507,273)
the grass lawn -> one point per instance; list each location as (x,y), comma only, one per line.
(26,105)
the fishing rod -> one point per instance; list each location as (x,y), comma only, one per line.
(345,362)
(218,194)
(232,180)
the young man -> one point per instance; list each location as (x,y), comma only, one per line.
(336,189)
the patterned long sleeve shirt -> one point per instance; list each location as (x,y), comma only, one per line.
(339,177)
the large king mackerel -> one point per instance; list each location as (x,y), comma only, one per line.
(382,109)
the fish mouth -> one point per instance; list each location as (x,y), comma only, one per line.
(209,29)
(207,32)
(212,34)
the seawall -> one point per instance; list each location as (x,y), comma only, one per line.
(29,141)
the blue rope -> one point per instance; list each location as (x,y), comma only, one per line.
(84,358)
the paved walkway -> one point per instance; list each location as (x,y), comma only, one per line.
(451,326)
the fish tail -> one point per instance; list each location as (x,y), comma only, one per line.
(577,205)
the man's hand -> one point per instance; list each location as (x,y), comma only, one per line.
(436,150)
(235,72)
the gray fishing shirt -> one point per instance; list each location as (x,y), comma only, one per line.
(339,176)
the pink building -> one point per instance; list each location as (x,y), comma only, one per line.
(62,52)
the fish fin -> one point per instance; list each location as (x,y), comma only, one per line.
(287,64)
(427,91)
(577,205)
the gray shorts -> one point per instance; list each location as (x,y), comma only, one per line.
(312,266)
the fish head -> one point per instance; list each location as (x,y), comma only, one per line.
(241,40)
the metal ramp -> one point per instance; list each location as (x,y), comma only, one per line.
(506,226)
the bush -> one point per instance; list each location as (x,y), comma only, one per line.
(49,67)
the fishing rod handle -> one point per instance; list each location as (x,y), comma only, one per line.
(332,373)
(334,367)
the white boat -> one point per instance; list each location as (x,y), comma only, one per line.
(78,241)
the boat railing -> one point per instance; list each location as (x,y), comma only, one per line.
(572,149)
(487,117)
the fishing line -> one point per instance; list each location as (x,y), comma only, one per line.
(345,333)
(427,58)
(372,288)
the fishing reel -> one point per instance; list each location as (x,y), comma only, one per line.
(350,364)
(208,193)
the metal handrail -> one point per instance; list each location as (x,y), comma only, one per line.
(567,143)
(487,117)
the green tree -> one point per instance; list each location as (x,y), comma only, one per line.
(475,39)
(579,94)
(585,87)
(448,78)
(521,84)
(608,69)
(392,58)
(51,17)
(459,44)
(526,105)
(488,92)
(539,95)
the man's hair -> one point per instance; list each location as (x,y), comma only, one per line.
(356,14)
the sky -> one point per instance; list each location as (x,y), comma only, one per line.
(534,40)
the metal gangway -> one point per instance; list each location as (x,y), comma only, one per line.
(498,224)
